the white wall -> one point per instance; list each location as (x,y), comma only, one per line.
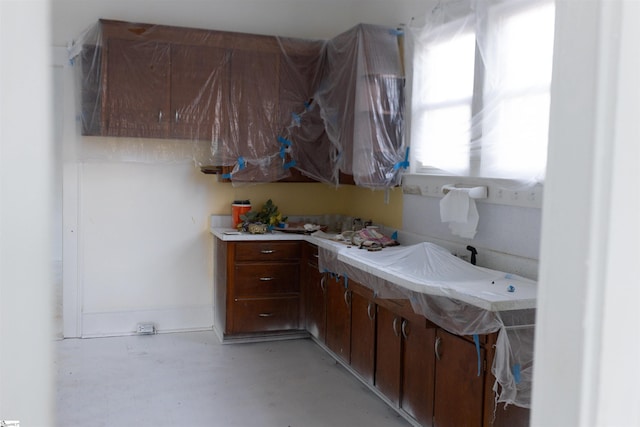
(136,243)
(26,367)
(587,349)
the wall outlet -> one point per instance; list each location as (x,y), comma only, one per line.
(146,329)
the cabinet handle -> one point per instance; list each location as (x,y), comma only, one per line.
(265,315)
(322,283)
(347,299)
(316,256)
(177,116)
(160,116)
(437,347)
(369,311)
(266,279)
(395,326)
(267,251)
(404,329)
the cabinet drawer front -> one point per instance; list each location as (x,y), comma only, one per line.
(267,251)
(264,315)
(266,279)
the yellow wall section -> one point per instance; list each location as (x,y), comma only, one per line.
(312,199)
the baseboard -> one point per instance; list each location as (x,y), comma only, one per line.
(121,323)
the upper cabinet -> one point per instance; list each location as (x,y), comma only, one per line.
(362,94)
(263,108)
(136,94)
(199,90)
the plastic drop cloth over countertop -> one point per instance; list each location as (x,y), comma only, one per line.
(455,295)
(261,106)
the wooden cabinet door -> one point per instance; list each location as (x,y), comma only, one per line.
(418,338)
(339,318)
(388,354)
(315,304)
(363,335)
(137,98)
(458,388)
(254,120)
(199,92)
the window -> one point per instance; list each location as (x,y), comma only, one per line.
(481,89)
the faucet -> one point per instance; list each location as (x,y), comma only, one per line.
(474,252)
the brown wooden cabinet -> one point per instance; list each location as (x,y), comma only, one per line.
(199,92)
(339,317)
(156,81)
(430,375)
(135,96)
(315,295)
(458,383)
(363,331)
(418,338)
(262,287)
(388,371)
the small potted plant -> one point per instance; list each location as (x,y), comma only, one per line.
(259,222)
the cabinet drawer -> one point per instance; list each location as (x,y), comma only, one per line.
(267,251)
(266,279)
(264,315)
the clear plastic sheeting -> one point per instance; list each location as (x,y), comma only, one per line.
(480,93)
(258,108)
(444,275)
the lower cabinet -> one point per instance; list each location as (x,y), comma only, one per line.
(363,331)
(405,361)
(260,290)
(459,381)
(314,293)
(417,398)
(339,318)
(388,354)
(436,378)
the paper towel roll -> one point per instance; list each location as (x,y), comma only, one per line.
(459,210)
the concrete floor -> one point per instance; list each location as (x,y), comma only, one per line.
(190,379)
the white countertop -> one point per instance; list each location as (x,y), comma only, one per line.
(480,287)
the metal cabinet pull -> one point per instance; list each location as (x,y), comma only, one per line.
(322,283)
(160,116)
(316,256)
(436,347)
(347,299)
(369,311)
(177,116)
(395,326)
(265,315)
(266,279)
(267,251)
(404,329)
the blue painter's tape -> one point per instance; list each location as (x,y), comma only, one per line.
(241,163)
(346,281)
(394,236)
(284,141)
(476,340)
(405,163)
(396,32)
(296,118)
(511,288)
(290,164)
(283,151)
(516,373)
(226,176)
(307,105)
